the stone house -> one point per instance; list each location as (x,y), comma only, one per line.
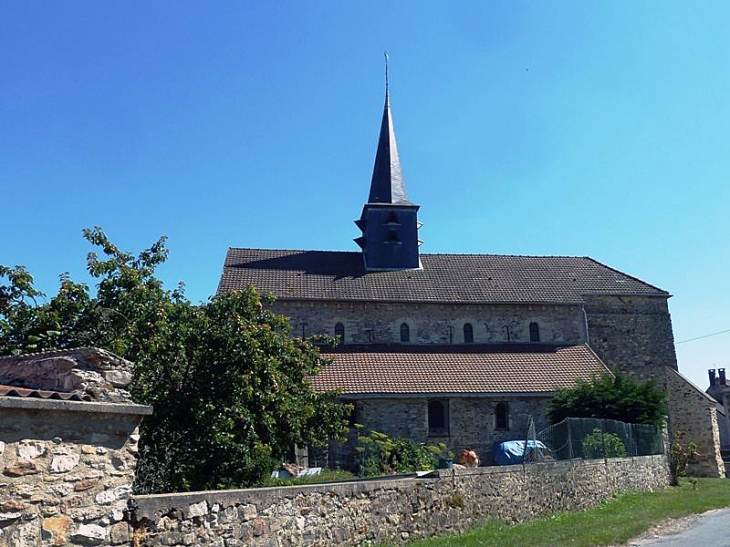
(460,348)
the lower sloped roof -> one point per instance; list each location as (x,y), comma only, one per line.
(456,369)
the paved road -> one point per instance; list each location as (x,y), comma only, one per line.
(711,529)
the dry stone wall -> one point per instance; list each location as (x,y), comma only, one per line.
(67,472)
(67,466)
(355,513)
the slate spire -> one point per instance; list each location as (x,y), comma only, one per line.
(387,185)
(389,222)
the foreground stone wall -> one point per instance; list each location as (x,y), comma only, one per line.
(67,465)
(694,415)
(67,471)
(356,512)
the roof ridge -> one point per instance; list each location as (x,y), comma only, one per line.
(421,254)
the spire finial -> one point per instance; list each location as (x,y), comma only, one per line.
(386,76)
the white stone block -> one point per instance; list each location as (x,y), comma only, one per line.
(197,510)
(62,464)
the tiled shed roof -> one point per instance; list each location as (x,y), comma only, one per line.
(452,278)
(14,391)
(463,369)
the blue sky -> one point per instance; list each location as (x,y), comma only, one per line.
(578,128)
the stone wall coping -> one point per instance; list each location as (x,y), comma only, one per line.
(75,406)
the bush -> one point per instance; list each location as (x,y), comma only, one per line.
(381,455)
(599,444)
(616,397)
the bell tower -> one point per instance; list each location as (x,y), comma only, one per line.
(389,222)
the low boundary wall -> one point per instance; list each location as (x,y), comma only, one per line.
(400,508)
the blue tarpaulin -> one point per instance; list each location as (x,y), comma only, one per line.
(512,452)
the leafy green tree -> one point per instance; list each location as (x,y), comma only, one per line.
(228,383)
(616,397)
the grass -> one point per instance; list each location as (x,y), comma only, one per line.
(614,522)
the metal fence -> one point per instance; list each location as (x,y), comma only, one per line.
(592,438)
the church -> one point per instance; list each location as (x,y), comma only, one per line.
(454,348)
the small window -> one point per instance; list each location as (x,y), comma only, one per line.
(392,219)
(405,333)
(501,416)
(392,237)
(534,332)
(438,418)
(340,331)
(468,333)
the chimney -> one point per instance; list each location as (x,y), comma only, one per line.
(711,374)
(722,376)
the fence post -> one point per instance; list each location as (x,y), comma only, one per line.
(570,440)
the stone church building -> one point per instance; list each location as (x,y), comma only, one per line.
(460,349)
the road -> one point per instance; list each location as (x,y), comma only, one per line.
(711,529)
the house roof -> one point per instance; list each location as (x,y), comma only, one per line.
(399,370)
(449,278)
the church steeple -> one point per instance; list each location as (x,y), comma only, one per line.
(387,184)
(389,221)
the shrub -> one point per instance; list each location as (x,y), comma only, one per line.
(680,456)
(600,444)
(381,455)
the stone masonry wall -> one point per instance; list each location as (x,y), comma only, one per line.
(357,512)
(379,323)
(693,414)
(471,423)
(67,471)
(632,334)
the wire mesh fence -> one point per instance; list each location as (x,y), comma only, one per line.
(593,438)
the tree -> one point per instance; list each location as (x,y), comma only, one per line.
(614,397)
(228,383)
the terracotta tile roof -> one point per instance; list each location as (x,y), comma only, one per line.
(13,391)
(330,275)
(467,369)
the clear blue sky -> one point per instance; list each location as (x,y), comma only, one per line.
(541,128)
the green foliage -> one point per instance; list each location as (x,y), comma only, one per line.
(228,384)
(681,454)
(615,397)
(381,455)
(600,444)
(440,450)
(327,475)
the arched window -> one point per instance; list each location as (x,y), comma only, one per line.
(534,332)
(468,333)
(501,416)
(405,332)
(438,418)
(340,331)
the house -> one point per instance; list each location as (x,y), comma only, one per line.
(452,347)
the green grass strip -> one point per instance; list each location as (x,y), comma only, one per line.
(614,522)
